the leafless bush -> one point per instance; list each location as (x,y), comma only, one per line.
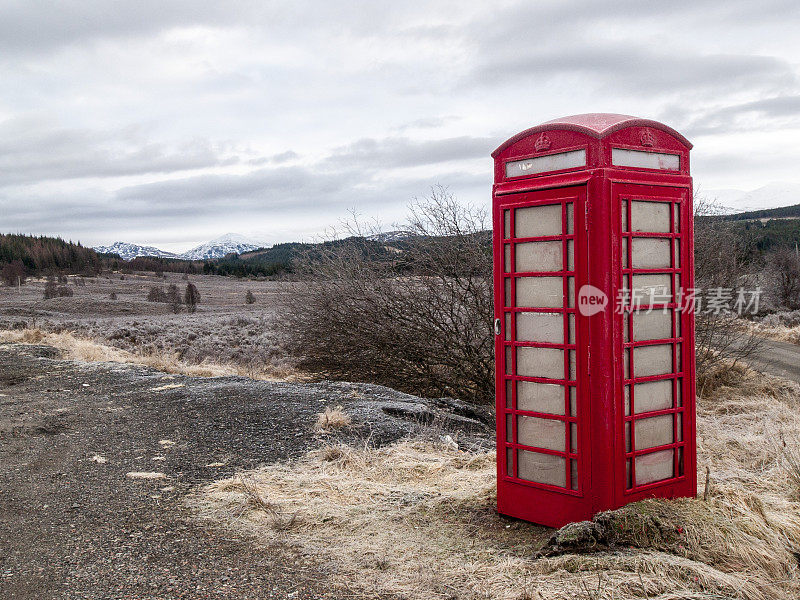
(332,418)
(50,289)
(156,294)
(191,297)
(249,297)
(720,262)
(415,315)
(174,298)
(783,266)
(112,296)
(64,291)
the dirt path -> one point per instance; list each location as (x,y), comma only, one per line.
(75,524)
(777,358)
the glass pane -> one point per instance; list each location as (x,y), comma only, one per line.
(540,292)
(652,360)
(652,395)
(540,397)
(538,256)
(509,361)
(570,218)
(625,253)
(507,267)
(570,255)
(650,216)
(541,433)
(622,157)
(549,162)
(534,221)
(651,289)
(506,224)
(541,362)
(653,325)
(570,292)
(654,467)
(573,367)
(573,401)
(509,396)
(625,215)
(540,327)
(650,253)
(677,247)
(573,470)
(653,431)
(509,429)
(571,320)
(573,437)
(508,318)
(627,394)
(541,468)
(509,462)
(625,332)
(677,224)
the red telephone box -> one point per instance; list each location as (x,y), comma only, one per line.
(593,257)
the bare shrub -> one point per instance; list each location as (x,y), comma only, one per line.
(50,289)
(14,273)
(156,294)
(416,315)
(784,268)
(64,291)
(249,297)
(112,296)
(174,298)
(720,262)
(332,418)
(191,297)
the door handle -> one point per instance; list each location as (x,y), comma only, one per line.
(498,327)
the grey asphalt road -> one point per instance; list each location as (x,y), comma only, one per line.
(777,358)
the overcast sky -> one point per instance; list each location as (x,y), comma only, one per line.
(169,123)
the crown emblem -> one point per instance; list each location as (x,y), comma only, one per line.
(647,138)
(542,143)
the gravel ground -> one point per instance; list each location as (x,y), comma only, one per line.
(75,524)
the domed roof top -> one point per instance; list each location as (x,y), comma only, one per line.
(597,125)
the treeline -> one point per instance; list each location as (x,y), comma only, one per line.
(24,256)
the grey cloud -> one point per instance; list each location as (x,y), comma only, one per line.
(766,114)
(31,152)
(394,152)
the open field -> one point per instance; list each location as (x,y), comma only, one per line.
(226,332)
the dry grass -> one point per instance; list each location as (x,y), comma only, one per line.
(331,419)
(418,520)
(74,347)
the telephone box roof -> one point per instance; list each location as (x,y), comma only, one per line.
(597,125)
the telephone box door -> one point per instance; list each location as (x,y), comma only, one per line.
(655,339)
(541,361)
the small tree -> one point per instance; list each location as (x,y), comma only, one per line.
(50,288)
(113,296)
(174,298)
(191,297)
(784,268)
(249,297)
(14,273)
(156,294)
(64,291)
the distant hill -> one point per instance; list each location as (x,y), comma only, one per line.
(41,255)
(230,243)
(784,212)
(128,251)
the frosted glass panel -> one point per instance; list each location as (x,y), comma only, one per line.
(507,267)
(652,395)
(650,253)
(540,327)
(645,160)
(540,362)
(540,397)
(534,221)
(541,468)
(540,292)
(652,360)
(654,431)
(549,162)
(655,286)
(570,218)
(539,256)
(653,325)
(506,224)
(541,433)
(650,216)
(654,467)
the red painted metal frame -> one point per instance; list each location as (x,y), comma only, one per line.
(597,192)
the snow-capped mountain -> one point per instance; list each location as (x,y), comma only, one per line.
(219,247)
(128,251)
(772,195)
